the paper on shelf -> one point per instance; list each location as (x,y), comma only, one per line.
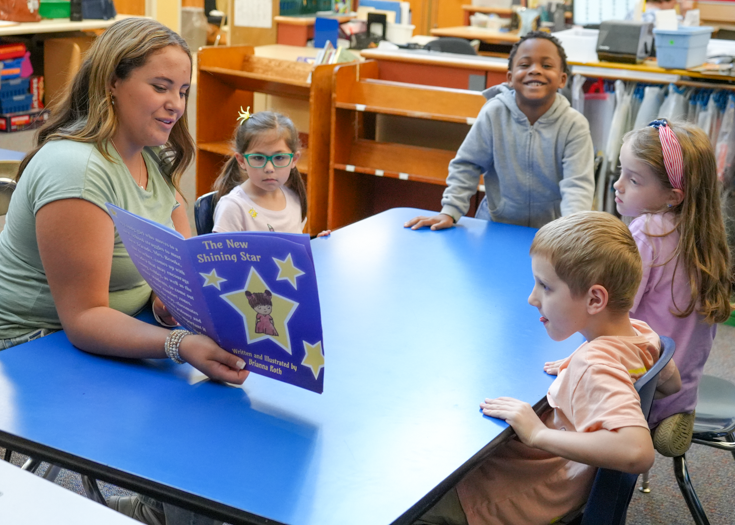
(666,20)
(254,13)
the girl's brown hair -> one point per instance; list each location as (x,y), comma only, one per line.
(86,113)
(702,248)
(250,130)
(259,298)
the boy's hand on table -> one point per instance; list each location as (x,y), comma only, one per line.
(206,356)
(325,233)
(517,414)
(552,367)
(437,222)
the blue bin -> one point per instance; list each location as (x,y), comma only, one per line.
(16,104)
(14,87)
(326,29)
(11,68)
(683,48)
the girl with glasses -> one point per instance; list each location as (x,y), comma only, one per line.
(260,187)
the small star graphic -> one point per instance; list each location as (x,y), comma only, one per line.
(253,213)
(114,212)
(314,357)
(212,279)
(287,271)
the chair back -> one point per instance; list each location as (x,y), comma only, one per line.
(449,44)
(612,490)
(204,213)
(7,186)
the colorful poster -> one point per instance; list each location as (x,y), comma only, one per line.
(254,293)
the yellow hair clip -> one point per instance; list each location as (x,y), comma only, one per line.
(242,116)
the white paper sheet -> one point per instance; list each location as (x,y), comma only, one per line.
(666,20)
(254,13)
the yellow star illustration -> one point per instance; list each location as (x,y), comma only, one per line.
(287,271)
(281,312)
(114,212)
(314,357)
(212,279)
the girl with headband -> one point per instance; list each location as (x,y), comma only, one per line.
(668,183)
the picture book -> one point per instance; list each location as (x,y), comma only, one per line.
(254,293)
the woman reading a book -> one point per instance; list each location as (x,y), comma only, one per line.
(119,135)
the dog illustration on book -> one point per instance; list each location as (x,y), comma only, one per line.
(262,303)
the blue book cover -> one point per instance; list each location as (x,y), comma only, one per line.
(254,293)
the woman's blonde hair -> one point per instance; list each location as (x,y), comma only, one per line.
(255,127)
(86,113)
(702,248)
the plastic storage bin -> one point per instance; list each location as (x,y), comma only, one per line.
(11,68)
(98,9)
(684,48)
(54,9)
(298,7)
(16,104)
(399,33)
(14,87)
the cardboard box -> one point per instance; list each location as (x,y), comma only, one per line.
(25,120)
(62,58)
(37,89)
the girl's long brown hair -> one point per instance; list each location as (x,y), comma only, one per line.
(257,126)
(702,248)
(86,113)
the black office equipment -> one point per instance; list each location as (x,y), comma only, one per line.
(625,41)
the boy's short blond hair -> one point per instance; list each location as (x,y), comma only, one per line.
(593,247)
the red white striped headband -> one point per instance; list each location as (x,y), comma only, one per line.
(673,159)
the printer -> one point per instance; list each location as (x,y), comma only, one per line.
(625,41)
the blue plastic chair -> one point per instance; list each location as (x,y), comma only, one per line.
(612,490)
(204,213)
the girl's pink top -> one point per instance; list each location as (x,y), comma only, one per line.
(655,302)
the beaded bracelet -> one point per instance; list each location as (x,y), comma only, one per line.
(173,341)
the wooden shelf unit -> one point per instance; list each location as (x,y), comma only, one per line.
(227,77)
(367,176)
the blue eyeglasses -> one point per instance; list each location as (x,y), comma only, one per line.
(279,160)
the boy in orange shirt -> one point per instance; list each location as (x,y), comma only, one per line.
(587,270)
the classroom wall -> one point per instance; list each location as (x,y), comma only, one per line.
(168,12)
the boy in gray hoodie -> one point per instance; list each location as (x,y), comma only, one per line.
(534,150)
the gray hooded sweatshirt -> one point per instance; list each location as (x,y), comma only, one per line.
(533,174)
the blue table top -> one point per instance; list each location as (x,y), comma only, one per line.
(9,154)
(419,327)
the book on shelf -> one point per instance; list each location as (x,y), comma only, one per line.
(254,293)
(331,55)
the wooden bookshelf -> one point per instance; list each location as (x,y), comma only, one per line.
(227,77)
(366,175)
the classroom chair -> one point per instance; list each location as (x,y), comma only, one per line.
(612,490)
(459,46)
(714,426)
(204,213)
(7,186)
